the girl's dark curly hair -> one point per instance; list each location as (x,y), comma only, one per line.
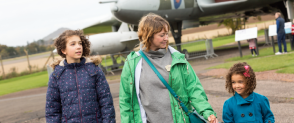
(60,42)
(239,68)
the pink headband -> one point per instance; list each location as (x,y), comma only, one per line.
(246,73)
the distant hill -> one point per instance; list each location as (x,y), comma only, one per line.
(49,40)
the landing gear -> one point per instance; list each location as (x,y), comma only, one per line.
(115,65)
(117,61)
(176,28)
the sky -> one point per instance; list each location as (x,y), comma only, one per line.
(23,21)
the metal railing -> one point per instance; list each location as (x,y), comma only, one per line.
(197,49)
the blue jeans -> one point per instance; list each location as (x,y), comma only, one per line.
(281,39)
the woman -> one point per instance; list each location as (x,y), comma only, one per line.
(143,97)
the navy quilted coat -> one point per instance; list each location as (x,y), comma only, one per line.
(79,93)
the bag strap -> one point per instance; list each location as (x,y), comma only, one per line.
(165,83)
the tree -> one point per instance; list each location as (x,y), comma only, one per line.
(4,53)
(11,51)
(2,47)
(236,23)
(232,23)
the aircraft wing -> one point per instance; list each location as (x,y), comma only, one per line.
(102,25)
(132,39)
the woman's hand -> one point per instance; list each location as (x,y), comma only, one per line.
(212,119)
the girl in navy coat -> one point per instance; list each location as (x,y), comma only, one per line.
(77,90)
(245,106)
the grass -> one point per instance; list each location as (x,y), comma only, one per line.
(29,82)
(289,70)
(97,29)
(262,52)
(217,42)
(201,46)
(282,63)
(108,61)
(195,46)
(23,83)
(260,32)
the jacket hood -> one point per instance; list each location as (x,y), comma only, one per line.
(93,59)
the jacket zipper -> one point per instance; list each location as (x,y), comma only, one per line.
(65,119)
(78,95)
(96,117)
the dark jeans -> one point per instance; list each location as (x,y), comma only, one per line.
(281,39)
(252,51)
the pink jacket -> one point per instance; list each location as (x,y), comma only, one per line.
(251,42)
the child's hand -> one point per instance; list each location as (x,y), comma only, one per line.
(212,119)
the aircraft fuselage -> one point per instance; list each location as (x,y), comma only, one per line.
(131,11)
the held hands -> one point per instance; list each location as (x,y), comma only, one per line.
(212,119)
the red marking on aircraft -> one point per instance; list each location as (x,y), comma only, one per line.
(177,1)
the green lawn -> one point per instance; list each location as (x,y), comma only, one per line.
(23,83)
(196,46)
(108,61)
(217,42)
(262,52)
(97,29)
(29,82)
(283,63)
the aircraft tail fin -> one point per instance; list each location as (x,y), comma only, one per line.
(123,28)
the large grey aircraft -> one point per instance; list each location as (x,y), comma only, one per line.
(192,13)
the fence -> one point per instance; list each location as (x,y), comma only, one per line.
(197,49)
(113,62)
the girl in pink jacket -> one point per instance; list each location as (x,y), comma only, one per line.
(252,46)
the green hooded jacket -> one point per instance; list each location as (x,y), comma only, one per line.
(182,79)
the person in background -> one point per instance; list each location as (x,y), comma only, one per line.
(281,33)
(252,46)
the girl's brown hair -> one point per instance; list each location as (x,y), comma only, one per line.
(60,42)
(150,25)
(239,68)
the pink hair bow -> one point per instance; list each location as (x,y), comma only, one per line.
(246,73)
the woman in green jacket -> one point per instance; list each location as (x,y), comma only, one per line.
(143,98)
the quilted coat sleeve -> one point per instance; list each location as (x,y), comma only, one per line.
(53,102)
(125,95)
(196,94)
(105,98)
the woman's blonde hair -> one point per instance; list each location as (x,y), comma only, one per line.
(150,25)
